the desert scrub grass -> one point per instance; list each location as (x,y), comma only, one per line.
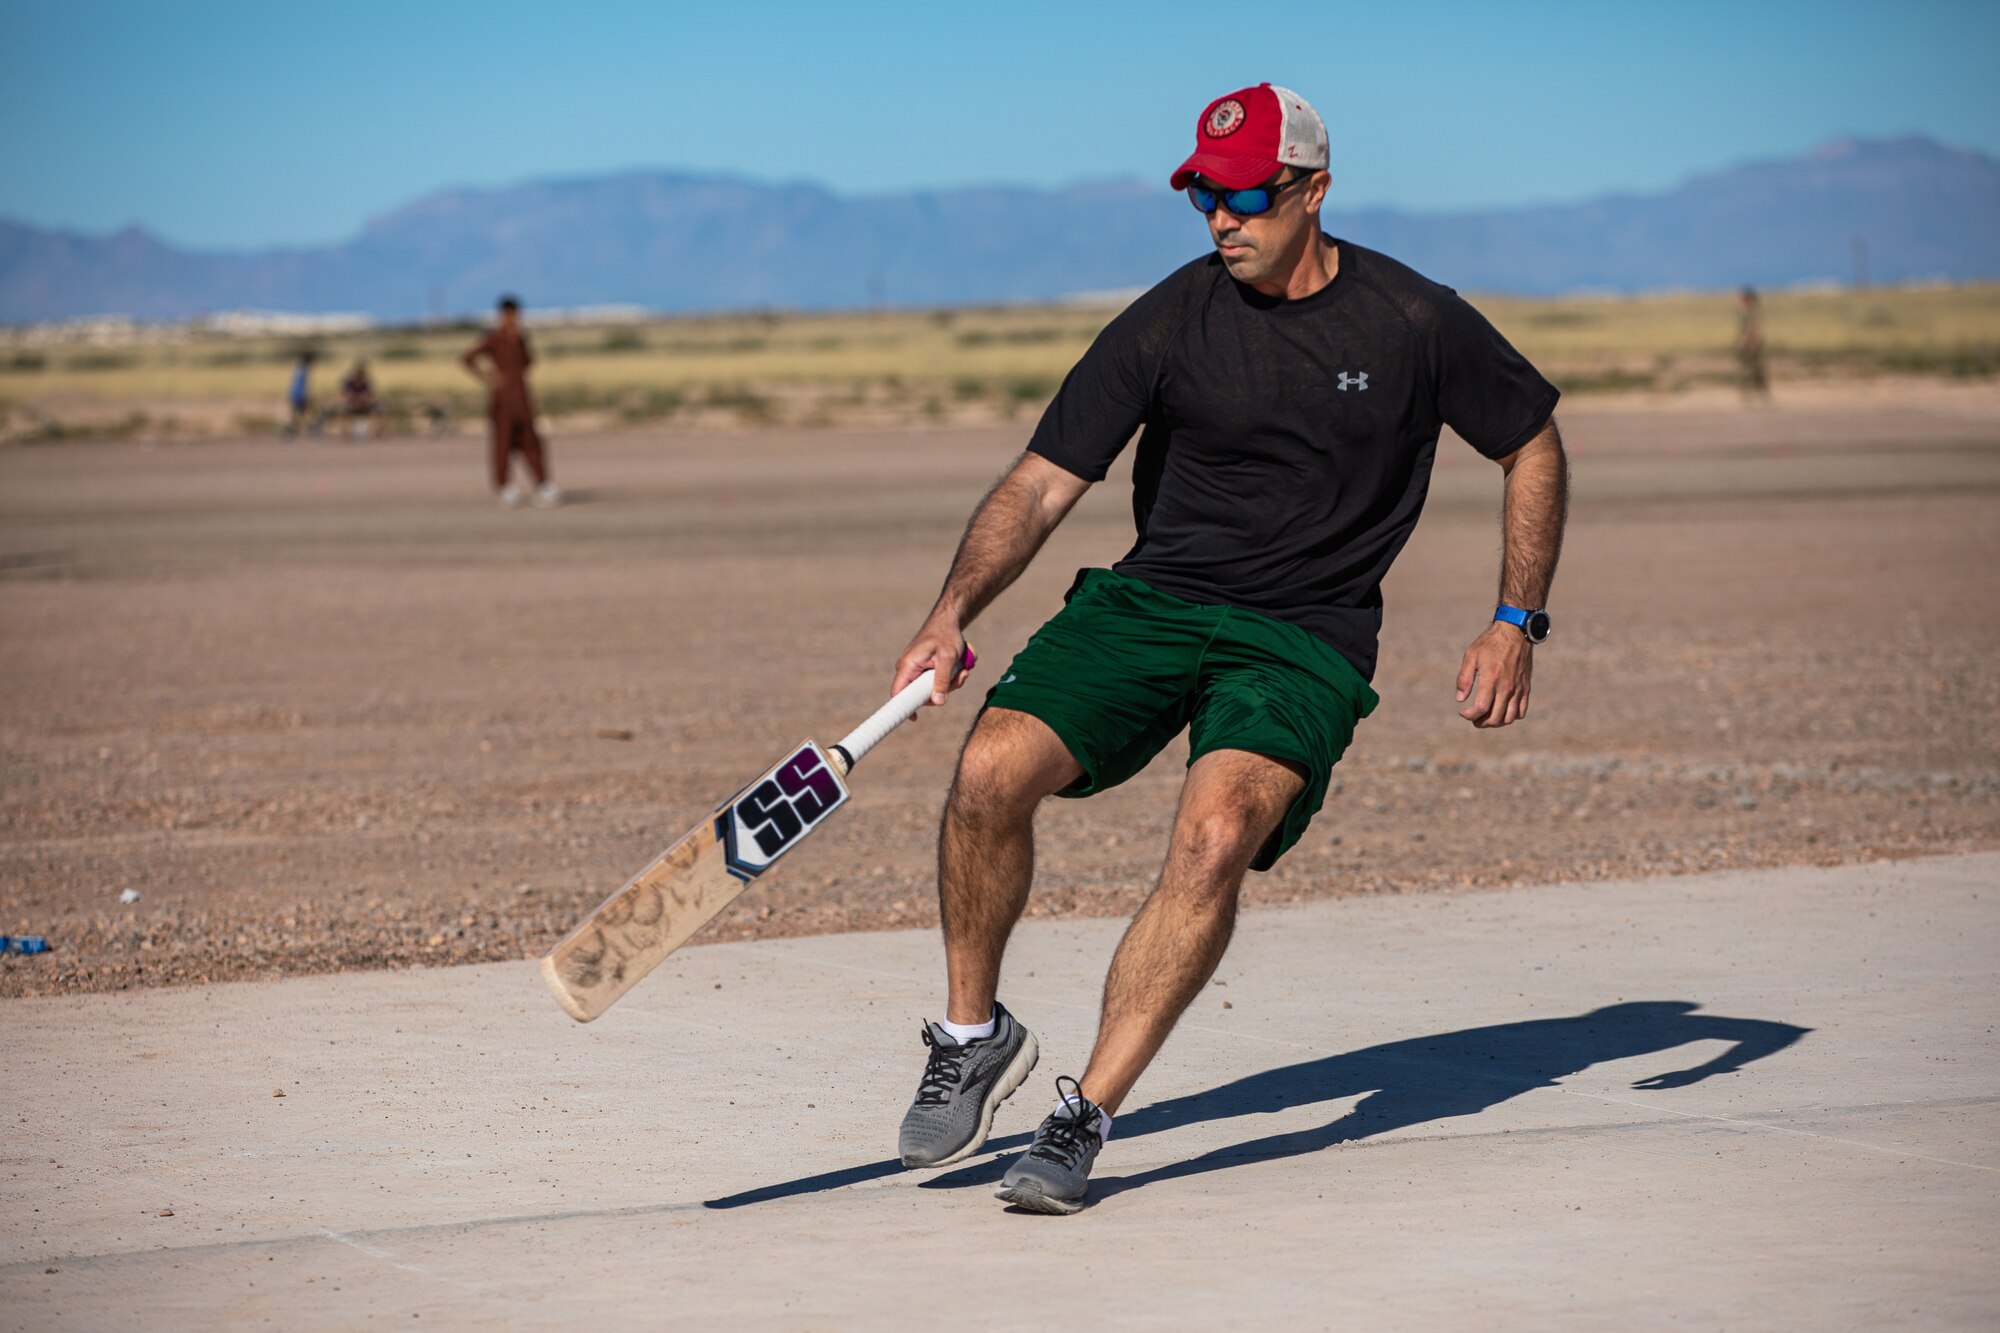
(1629,328)
(1033,336)
(890,362)
(91,363)
(1980,362)
(749,406)
(749,345)
(55,431)
(651,405)
(1023,392)
(563,399)
(1612,380)
(1965,362)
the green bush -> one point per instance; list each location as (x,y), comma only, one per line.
(103,361)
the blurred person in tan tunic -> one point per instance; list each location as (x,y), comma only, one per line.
(501,359)
(1756,379)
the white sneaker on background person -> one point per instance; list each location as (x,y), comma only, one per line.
(510,496)
(548,495)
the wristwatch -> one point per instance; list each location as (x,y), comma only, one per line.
(1533,624)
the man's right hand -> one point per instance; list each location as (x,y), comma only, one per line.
(939,646)
(1006,530)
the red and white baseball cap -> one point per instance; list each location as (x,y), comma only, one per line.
(1243,138)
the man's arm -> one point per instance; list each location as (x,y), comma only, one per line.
(1006,530)
(1493,679)
(1754,1038)
(488,377)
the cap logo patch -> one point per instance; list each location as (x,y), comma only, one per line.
(1225,120)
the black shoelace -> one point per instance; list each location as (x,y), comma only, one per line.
(1064,1141)
(940,1079)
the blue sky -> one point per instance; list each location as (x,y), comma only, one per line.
(233,125)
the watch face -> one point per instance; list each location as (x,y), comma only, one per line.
(1537,627)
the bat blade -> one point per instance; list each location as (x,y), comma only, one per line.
(634,929)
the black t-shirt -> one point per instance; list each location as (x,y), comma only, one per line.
(1287,445)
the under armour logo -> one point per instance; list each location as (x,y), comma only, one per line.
(1355,381)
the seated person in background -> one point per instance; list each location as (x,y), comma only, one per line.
(357,401)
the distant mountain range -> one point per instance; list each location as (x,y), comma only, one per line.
(675,242)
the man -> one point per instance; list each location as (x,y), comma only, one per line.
(1290,389)
(358,402)
(1755,381)
(298,397)
(505,374)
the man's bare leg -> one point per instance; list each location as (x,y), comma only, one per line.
(986,848)
(1231,802)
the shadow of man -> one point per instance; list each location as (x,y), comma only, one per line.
(1444,1076)
(1408,1082)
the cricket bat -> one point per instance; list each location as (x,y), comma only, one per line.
(632,930)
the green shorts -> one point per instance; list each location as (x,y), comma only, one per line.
(1122,669)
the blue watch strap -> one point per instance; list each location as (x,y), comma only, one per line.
(1513,615)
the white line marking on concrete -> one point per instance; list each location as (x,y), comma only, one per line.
(376,1252)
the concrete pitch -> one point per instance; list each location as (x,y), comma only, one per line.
(1442,1111)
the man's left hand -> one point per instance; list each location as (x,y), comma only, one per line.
(1493,679)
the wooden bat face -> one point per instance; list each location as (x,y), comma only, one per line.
(638,926)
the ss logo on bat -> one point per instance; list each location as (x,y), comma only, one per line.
(777,810)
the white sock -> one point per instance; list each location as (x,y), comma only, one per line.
(1103,1118)
(965,1032)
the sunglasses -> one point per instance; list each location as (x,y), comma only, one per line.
(1243,203)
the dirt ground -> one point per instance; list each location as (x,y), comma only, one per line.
(326,706)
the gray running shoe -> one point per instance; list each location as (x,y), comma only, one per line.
(1054,1174)
(961,1089)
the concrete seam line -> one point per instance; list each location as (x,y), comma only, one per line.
(1781,1129)
(358,1240)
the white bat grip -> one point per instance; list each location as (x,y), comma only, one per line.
(887,718)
